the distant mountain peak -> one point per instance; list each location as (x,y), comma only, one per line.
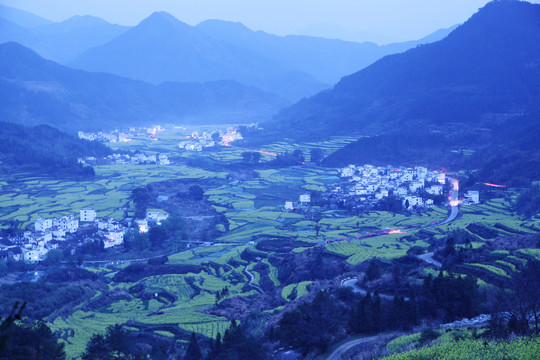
(160,17)
(161,20)
(85,21)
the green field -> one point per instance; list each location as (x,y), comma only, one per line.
(254,211)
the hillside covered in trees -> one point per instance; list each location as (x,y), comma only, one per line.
(45,149)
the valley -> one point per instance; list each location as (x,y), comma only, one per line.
(187,185)
(199,289)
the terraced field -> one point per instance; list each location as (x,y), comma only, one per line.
(254,210)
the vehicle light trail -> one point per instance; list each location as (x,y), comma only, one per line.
(266,152)
(495,185)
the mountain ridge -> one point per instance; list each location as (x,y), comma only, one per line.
(456,70)
(35,91)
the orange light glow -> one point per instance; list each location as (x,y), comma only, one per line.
(455,202)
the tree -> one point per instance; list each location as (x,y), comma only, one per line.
(216,136)
(7,322)
(54,257)
(316,156)
(196,192)
(236,344)
(255,157)
(246,156)
(157,235)
(523,300)
(373,271)
(298,155)
(311,326)
(193,350)
(140,241)
(116,343)
(141,198)
(31,341)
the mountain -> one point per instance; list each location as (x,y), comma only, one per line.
(62,41)
(73,23)
(326,59)
(479,88)
(45,149)
(332,31)
(487,66)
(22,18)
(34,91)
(162,48)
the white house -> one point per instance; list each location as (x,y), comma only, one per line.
(407,177)
(441,178)
(59,234)
(163,160)
(435,190)
(44,237)
(305,198)
(113,238)
(422,172)
(156,216)
(360,191)
(33,254)
(88,215)
(348,171)
(413,201)
(43,224)
(194,147)
(142,224)
(289,205)
(67,223)
(415,185)
(473,196)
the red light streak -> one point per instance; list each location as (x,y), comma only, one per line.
(267,153)
(495,185)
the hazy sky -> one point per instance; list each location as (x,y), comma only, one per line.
(395,19)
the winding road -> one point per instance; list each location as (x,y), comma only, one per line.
(454,202)
(251,279)
(343,348)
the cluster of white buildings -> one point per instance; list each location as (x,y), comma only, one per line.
(103,136)
(373,183)
(196,142)
(137,159)
(120,135)
(49,234)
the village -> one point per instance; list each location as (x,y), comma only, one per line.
(67,233)
(194,142)
(365,186)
